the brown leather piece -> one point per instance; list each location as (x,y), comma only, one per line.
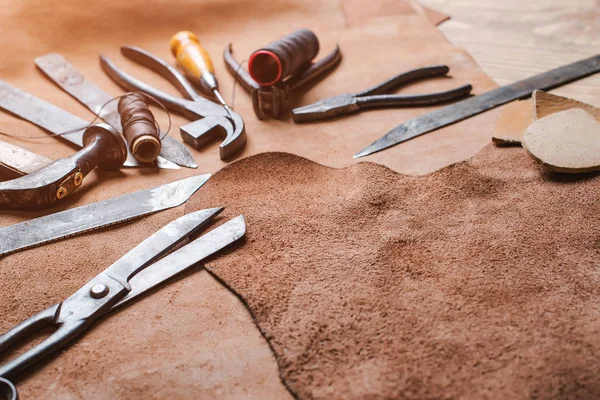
(193,338)
(514,118)
(357,14)
(477,281)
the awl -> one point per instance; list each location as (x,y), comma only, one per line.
(476,105)
(97,215)
(57,68)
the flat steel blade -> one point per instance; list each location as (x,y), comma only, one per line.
(475,105)
(42,113)
(97,215)
(57,68)
(159,244)
(185,257)
(16,161)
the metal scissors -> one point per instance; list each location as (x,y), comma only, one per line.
(373,97)
(209,117)
(137,272)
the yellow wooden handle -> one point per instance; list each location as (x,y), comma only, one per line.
(190,55)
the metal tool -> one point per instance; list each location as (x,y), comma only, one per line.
(374,97)
(476,105)
(143,268)
(196,63)
(275,100)
(51,118)
(16,161)
(209,118)
(103,147)
(89,217)
(61,72)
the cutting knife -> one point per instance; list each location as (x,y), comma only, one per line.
(93,216)
(470,107)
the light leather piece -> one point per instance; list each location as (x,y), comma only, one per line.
(565,141)
(193,338)
(357,14)
(514,118)
(545,104)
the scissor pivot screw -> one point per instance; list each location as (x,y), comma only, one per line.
(99,291)
(61,192)
(78,179)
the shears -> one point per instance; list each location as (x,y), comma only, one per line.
(149,264)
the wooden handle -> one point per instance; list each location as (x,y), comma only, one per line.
(104,147)
(191,56)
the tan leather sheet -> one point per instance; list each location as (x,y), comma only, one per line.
(477,281)
(193,338)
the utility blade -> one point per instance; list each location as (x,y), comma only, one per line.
(64,74)
(476,105)
(97,215)
(185,257)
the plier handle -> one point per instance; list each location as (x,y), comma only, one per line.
(374,97)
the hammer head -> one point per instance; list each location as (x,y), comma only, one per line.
(203,131)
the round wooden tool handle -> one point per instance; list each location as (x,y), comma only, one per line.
(104,147)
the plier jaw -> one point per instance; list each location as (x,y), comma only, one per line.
(327,108)
(377,97)
(274,101)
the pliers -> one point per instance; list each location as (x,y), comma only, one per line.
(209,117)
(373,97)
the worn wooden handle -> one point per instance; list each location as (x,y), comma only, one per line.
(104,147)
(190,55)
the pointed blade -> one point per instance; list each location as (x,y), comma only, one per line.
(57,68)
(159,244)
(476,105)
(187,256)
(97,215)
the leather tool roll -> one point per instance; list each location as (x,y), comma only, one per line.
(282,58)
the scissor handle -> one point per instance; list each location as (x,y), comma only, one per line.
(47,318)
(405,78)
(8,391)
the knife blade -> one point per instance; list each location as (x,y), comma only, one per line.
(93,216)
(464,109)
(64,74)
(53,119)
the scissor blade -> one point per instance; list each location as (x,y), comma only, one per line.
(181,259)
(159,244)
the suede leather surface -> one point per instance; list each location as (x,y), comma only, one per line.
(193,338)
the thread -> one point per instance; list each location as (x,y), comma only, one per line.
(96,117)
(139,127)
(282,58)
